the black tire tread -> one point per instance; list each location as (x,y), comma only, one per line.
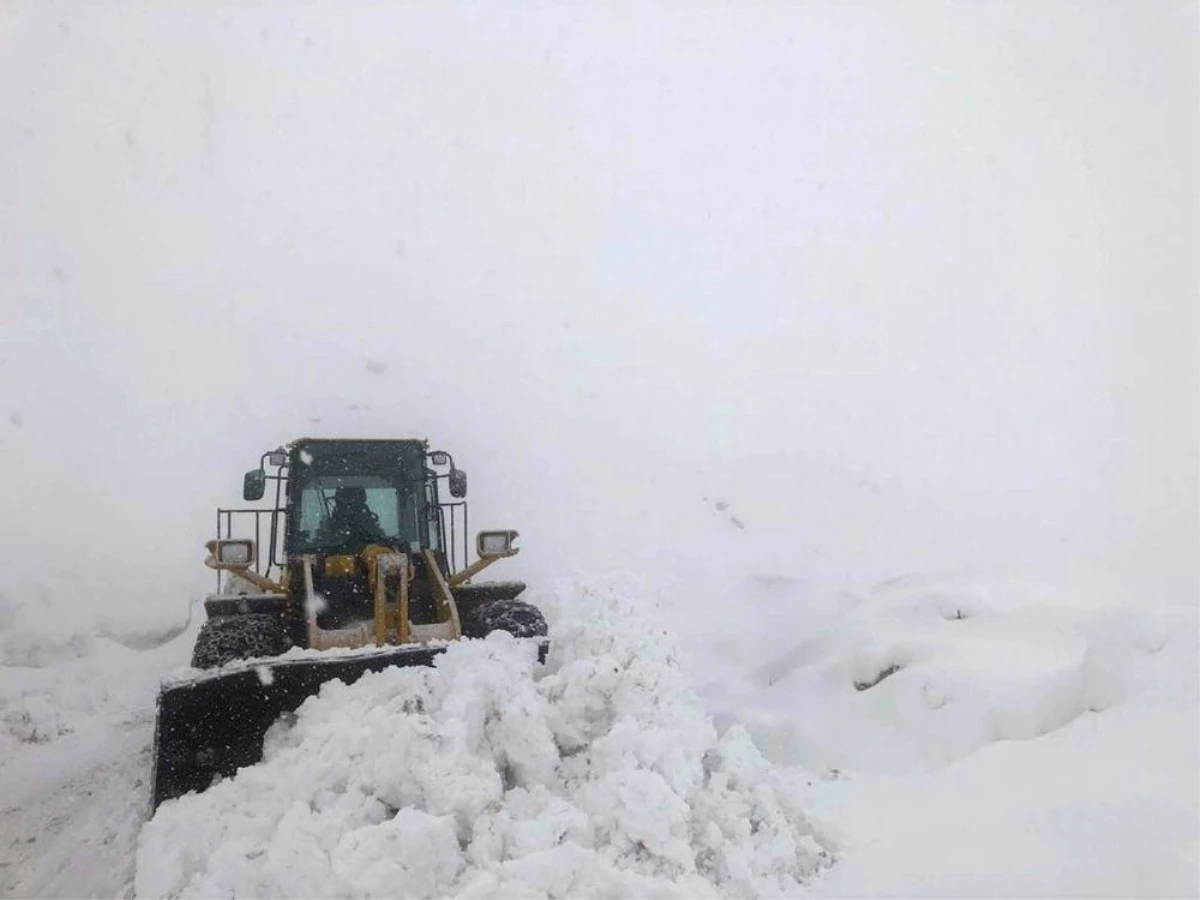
(224,639)
(518,618)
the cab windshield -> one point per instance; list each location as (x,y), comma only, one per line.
(350,496)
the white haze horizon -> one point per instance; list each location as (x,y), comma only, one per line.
(912,287)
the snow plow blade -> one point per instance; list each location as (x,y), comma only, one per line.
(216,724)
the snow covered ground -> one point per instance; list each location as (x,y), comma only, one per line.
(978,737)
(928,736)
(76,724)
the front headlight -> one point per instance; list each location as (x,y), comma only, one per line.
(230,554)
(495,543)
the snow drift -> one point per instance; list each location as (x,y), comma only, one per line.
(974,735)
(598,774)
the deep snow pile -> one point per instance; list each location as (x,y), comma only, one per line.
(598,774)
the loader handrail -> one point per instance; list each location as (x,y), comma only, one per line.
(225,531)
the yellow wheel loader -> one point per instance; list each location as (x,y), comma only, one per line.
(360,550)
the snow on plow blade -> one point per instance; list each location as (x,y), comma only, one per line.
(215,725)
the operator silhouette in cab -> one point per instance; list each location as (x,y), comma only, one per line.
(352,521)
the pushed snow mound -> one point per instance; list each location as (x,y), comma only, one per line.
(598,774)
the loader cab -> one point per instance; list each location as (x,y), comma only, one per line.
(344,495)
(335,497)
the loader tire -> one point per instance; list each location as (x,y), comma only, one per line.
(518,618)
(226,638)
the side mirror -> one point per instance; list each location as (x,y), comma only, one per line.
(458,483)
(254,485)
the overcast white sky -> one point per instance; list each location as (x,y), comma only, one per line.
(911,285)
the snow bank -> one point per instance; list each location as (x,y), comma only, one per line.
(59,678)
(917,673)
(598,774)
(976,735)
(76,723)
(48,616)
